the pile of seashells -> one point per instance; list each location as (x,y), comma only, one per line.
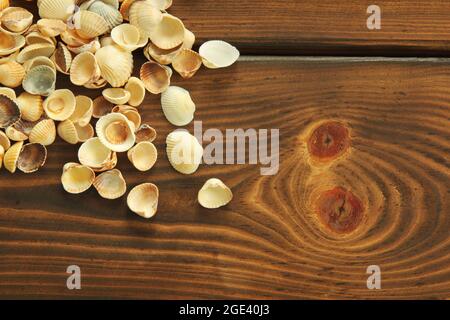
(92,41)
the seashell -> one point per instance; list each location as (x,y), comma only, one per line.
(56,9)
(83,110)
(35,50)
(94,154)
(218,54)
(10,93)
(177,106)
(116,95)
(189,39)
(60,105)
(143,155)
(161,4)
(31,106)
(11,156)
(169,33)
(71,38)
(106,41)
(77,178)
(36,37)
(111,15)
(44,132)
(128,37)
(15,20)
(143,200)
(10,43)
(214,194)
(84,133)
(145,17)
(184,151)
(113,3)
(156,78)
(9,111)
(3,5)
(130,112)
(89,24)
(51,27)
(136,88)
(84,69)
(92,47)
(4,141)
(145,133)
(39,61)
(110,184)
(67,131)
(116,132)
(40,80)
(14,134)
(62,58)
(101,107)
(31,157)
(116,64)
(11,74)
(187,63)
(161,56)
(85,4)
(125,8)
(97,84)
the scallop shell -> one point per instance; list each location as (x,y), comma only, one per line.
(10,93)
(36,37)
(187,63)
(11,156)
(110,184)
(218,54)
(39,61)
(162,4)
(35,50)
(143,156)
(10,43)
(83,110)
(161,56)
(101,107)
(51,27)
(94,154)
(44,132)
(77,178)
(111,15)
(169,33)
(60,105)
(15,20)
(128,37)
(145,133)
(177,106)
(106,41)
(84,69)
(184,151)
(11,74)
(56,9)
(116,95)
(189,39)
(9,111)
(156,78)
(62,58)
(145,17)
(67,131)
(31,157)
(4,141)
(214,194)
(15,133)
(143,200)
(136,88)
(40,80)
(116,132)
(130,112)
(115,64)
(89,24)
(31,106)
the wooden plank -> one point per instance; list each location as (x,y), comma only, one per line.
(268,242)
(311,27)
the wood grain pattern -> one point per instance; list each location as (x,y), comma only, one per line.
(267,243)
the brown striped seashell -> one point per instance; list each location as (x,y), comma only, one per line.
(9,111)
(156,78)
(62,58)
(101,107)
(31,157)
(110,184)
(143,200)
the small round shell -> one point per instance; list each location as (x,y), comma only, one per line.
(67,131)
(31,106)
(56,9)
(110,184)
(116,132)
(9,111)
(218,54)
(128,37)
(60,105)
(83,110)
(4,141)
(15,20)
(10,93)
(187,63)
(89,25)
(145,133)
(116,95)
(169,33)
(84,69)
(111,15)
(10,43)
(116,64)
(11,74)
(101,107)
(77,178)
(35,50)
(44,132)
(214,194)
(143,200)
(161,56)
(145,17)
(177,106)
(31,157)
(62,58)
(156,78)
(39,61)
(136,88)
(11,156)
(36,37)
(96,155)
(40,81)
(143,156)
(184,151)
(130,112)
(84,133)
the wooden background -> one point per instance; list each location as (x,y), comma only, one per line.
(267,242)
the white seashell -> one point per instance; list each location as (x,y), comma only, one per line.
(31,157)
(187,63)
(31,106)
(35,50)
(184,151)
(84,69)
(60,105)
(214,194)
(89,24)
(94,154)
(11,156)
(116,64)
(218,54)
(143,156)
(40,80)
(128,37)
(56,9)
(111,15)
(177,106)
(77,178)
(169,33)
(83,110)
(145,17)
(143,200)
(136,88)
(10,43)
(110,184)
(116,95)
(44,132)
(116,132)
(156,78)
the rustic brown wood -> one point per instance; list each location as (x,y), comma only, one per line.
(267,243)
